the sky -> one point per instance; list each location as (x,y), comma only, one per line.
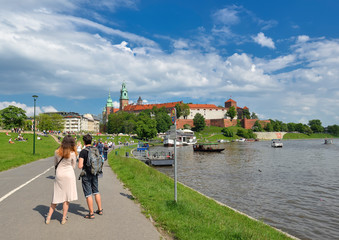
(278,58)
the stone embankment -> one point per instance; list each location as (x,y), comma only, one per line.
(270,135)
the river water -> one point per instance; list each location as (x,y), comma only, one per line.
(294,188)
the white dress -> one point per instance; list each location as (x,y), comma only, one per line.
(65,182)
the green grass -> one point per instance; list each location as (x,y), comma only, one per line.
(213,134)
(193,216)
(19,153)
(304,136)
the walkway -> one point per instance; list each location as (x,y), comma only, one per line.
(23,211)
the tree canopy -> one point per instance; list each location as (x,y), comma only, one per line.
(199,122)
(13,116)
(231,112)
(50,122)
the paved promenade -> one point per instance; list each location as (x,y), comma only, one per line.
(25,195)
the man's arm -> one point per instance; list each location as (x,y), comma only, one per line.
(81,163)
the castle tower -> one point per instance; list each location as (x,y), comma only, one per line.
(230,102)
(109,108)
(139,102)
(123,97)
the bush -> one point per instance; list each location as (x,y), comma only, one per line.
(227,132)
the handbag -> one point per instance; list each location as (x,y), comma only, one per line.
(56,166)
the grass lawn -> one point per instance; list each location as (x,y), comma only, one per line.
(305,136)
(193,216)
(19,153)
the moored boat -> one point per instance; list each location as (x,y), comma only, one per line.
(184,137)
(160,159)
(208,147)
(276,143)
(328,141)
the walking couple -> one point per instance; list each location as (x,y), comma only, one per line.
(65,189)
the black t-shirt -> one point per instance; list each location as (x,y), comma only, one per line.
(84,154)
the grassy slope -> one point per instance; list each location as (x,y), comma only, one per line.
(193,216)
(19,153)
(304,136)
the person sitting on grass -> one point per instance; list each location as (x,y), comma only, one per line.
(10,141)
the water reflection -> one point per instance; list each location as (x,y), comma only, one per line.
(294,188)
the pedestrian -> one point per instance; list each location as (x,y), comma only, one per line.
(89,181)
(100,147)
(105,151)
(65,189)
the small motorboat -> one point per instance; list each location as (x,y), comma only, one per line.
(276,143)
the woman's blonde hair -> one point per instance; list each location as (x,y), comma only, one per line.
(67,146)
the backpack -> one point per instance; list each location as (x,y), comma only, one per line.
(94,162)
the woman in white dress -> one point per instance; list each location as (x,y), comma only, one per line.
(65,182)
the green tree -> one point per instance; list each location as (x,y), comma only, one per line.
(58,122)
(13,117)
(291,127)
(199,122)
(44,122)
(268,127)
(333,129)
(246,114)
(182,109)
(316,126)
(254,116)
(231,112)
(257,127)
(227,132)
(146,127)
(164,121)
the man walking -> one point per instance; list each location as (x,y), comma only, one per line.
(89,181)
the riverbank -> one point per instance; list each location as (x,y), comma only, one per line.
(193,216)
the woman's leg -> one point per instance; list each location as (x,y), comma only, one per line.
(50,212)
(65,207)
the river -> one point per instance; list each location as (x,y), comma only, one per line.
(294,188)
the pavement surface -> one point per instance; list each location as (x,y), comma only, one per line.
(26,193)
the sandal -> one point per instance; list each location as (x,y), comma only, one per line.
(64,220)
(99,211)
(48,219)
(89,216)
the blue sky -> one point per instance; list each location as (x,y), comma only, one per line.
(278,58)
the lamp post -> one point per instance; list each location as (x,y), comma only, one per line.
(34,97)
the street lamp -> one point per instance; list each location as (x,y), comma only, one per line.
(34,97)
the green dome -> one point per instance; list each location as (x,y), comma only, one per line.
(123,92)
(109,102)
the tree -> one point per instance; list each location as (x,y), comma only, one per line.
(291,127)
(13,117)
(268,127)
(53,122)
(227,132)
(246,114)
(231,112)
(164,121)
(254,116)
(199,122)
(334,130)
(182,110)
(257,127)
(316,126)
(146,127)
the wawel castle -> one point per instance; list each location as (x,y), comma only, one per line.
(214,116)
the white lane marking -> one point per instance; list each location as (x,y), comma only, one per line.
(13,191)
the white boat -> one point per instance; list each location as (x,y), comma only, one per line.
(276,143)
(328,141)
(184,137)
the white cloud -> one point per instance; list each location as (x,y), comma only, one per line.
(29,109)
(227,16)
(264,41)
(303,38)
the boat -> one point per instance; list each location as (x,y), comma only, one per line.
(160,159)
(143,146)
(276,143)
(184,137)
(208,147)
(328,141)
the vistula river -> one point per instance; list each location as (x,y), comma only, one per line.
(294,188)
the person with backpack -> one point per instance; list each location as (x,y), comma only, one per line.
(91,164)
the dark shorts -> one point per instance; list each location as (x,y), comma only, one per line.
(90,184)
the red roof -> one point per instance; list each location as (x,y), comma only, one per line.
(136,108)
(230,100)
(198,106)
(245,107)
